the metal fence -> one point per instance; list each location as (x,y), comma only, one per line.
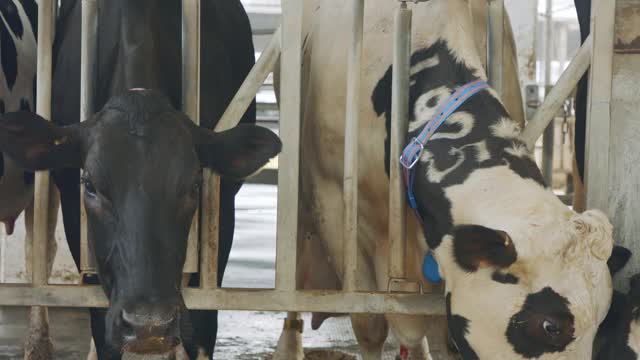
(285,46)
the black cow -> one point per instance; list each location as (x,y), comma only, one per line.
(141,160)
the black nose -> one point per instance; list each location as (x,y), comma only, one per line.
(152,327)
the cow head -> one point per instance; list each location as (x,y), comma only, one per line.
(509,299)
(142,162)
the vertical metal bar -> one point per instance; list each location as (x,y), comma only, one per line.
(350,181)
(87,80)
(43,100)
(598,139)
(209,230)
(496,36)
(289,160)
(399,128)
(191,100)
(548,135)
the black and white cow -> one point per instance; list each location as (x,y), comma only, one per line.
(525,276)
(141,160)
(17,92)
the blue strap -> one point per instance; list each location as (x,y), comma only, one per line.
(430,268)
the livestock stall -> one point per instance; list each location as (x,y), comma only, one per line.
(614,73)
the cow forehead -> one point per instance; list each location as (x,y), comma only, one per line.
(146,146)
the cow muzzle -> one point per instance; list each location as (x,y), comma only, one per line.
(150,328)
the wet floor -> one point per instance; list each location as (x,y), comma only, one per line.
(242,335)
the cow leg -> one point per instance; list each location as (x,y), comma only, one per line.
(38,343)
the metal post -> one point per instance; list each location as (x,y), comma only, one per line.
(350,181)
(496,35)
(556,97)
(88,52)
(209,230)
(548,135)
(289,159)
(399,128)
(251,84)
(598,137)
(43,100)
(191,100)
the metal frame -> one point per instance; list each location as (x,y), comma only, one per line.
(286,46)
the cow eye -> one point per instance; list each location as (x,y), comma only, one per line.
(551,328)
(89,189)
(196,187)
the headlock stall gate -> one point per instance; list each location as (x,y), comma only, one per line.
(285,46)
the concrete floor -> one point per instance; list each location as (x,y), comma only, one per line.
(242,335)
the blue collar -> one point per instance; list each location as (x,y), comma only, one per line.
(430,268)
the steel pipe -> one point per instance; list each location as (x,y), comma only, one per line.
(496,35)
(191,101)
(548,134)
(289,159)
(350,180)
(399,128)
(598,155)
(88,52)
(330,301)
(38,261)
(558,94)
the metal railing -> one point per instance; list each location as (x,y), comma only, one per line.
(285,46)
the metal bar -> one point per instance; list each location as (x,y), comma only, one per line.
(239,299)
(252,83)
(289,159)
(209,230)
(191,100)
(599,110)
(556,97)
(350,180)
(43,100)
(548,135)
(399,128)
(496,35)
(88,52)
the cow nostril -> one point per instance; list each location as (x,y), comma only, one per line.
(150,328)
(149,320)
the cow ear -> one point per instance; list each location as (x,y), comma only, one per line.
(618,259)
(36,144)
(476,247)
(238,152)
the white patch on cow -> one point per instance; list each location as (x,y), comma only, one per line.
(436,175)
(462,118)
(422,112)
(482,152)
(634,334)
(26,53)
(425,64)
(518,150)
(506,128)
